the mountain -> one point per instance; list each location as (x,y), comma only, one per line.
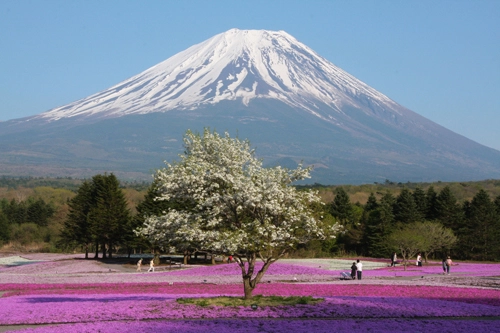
(292,104)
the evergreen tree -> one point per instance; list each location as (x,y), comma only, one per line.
(98,214)
(379,225)
(421,202)
(110,215)
(39,212)
(344,212)
(481,231)
(431,200)
(371,203)
(405,209)
(4,228)
(497,204)
(341,208)
(448,211)
(76,229)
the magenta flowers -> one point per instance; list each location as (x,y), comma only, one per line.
(386,300)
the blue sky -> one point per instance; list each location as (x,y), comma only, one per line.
(440,59)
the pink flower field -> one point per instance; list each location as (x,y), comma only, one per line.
(66,293)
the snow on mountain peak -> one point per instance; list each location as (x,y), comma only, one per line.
(236,64)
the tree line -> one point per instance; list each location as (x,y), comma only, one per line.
(370,229)
(25,221)
(98,218)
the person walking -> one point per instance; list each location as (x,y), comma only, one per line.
(139,265)
(151,265)
(359,269)
(443,263)
(419,260)
(394,258)
(448,264)
(353,270)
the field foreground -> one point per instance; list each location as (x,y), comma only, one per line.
(49,293)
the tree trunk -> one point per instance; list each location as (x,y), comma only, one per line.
(249,284)
(103,247)
(186,255)
(110,250)
(86,251)
(96,256)
(247,287)
(213,259)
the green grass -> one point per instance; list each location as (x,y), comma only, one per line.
(258,300)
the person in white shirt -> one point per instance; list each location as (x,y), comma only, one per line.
(151,266)
(139,265)
(394,258)
(419,260)
(359,267)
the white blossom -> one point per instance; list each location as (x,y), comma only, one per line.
(228,203)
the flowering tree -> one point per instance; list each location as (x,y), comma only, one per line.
(227,203)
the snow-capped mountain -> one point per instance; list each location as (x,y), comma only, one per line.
(235,65)
(292,104)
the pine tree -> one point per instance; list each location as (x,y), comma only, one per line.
(405,209)
(76,229)
(431,199)
(98,215)
(110,215)
(341,208)
(4,228)
(420,200)
(344,212)
(379,225)
(481,231)
(497,204)
(371,203)
(448,211)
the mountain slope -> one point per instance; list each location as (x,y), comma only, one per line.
(235,65)
(266,86)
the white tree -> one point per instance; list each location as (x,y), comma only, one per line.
(227,203)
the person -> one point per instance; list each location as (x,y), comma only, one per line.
(443,263)
(230,259)
(152,265)
(419,260)
(353,270)
(448,264)
(139,265)
(359,269)
(394,258)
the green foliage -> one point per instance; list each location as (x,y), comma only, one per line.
(29,211)
(480,235)
(27,233)
(435,236)
(33,182)
(258,300)
(98,214)
(407,240)
(448,211)
(30,200)
(379,224)
(4,228)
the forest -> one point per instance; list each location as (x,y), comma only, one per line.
(98,216)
